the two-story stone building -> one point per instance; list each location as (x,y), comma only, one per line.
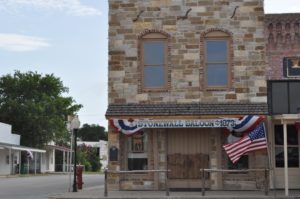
(185,65)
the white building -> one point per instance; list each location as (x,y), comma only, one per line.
(52,164)
(10,154)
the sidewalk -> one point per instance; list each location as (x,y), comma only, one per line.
(98,193)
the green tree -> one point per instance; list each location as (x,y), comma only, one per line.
(92,133)
(88,157)
(35,107)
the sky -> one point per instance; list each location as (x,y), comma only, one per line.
(69,38)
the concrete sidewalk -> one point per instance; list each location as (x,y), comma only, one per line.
(98,193)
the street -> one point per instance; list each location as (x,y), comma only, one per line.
(41,187)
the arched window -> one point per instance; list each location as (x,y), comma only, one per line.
(154,61)
(217,59)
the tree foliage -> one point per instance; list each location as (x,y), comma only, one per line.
(92,133)
(35,107)
(88,157)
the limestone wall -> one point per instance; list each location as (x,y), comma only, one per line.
(244,20)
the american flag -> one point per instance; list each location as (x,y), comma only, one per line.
(255,140)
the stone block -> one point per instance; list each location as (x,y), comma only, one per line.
(191,56)
(141,26)
(169,28)
(262,99)
(199,9)
(248,23)
(230,96)
(114,74)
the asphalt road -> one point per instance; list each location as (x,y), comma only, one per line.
(41,187)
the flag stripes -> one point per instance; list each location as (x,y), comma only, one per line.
(255,140)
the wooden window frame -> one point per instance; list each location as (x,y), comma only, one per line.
(145,150)
(218,35)
(124,159)
(154,37)
(288,146)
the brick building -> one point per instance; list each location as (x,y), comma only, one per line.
(283,75)
(186,65)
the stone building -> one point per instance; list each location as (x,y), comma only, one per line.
(184,64)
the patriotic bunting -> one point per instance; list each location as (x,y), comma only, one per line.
(246,124)
(242,125)
(128,127)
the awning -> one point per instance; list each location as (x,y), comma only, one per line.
(21,148)
(28,149)
(186,109)
(59,148)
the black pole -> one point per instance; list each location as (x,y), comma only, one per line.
(167,185)
(75,159)
(105,183)
(266,183)
(203,182)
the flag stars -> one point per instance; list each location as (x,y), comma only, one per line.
(257,133)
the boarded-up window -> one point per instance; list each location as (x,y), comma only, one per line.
(284,96)
(188,152)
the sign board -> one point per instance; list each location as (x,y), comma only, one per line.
(291,67)
(215,123)
(113,153)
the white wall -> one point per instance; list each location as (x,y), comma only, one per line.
(15,139)
(43,163)
(4,168)
(6,136)
(103,153)
(50,160)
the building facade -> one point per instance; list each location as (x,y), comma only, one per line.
(11,153)
(283,75)
(194,62)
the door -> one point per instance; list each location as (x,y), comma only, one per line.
(293,140)
(188,151)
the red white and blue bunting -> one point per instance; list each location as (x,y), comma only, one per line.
(246,124)
(242,125)
(127,127)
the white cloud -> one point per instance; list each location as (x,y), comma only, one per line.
(72,7)
(21,43)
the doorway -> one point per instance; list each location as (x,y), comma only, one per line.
(188,152)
